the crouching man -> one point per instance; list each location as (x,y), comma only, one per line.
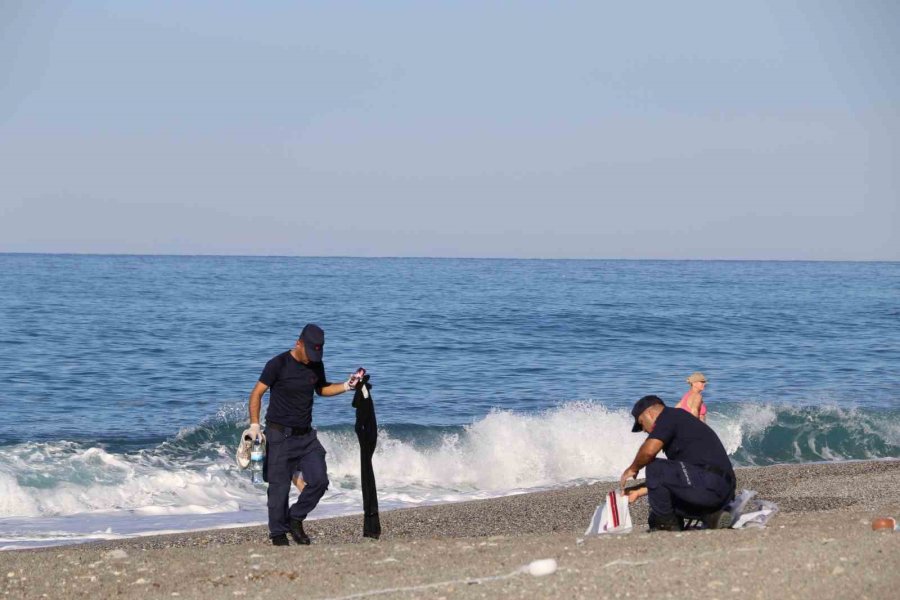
(696,479)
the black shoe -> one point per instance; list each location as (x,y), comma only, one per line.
(297,532)
(666,523)
(280,540)
(721,519)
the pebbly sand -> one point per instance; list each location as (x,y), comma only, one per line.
(819,546)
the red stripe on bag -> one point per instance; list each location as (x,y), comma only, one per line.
(614,508)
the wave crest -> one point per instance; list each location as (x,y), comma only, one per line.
(502,453)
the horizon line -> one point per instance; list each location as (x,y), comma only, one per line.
(416,257)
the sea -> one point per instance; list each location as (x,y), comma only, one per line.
(124,380)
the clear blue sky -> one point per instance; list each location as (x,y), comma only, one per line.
(759,130)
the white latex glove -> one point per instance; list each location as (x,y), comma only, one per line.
(255,430)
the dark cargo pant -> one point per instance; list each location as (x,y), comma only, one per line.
(678,489)
(286,454)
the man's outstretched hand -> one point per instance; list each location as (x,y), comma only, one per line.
(354,379)
(629,473)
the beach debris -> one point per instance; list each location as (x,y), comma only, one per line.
(613,516)
(884,524)
(117,554)
(630,563)
(539,568)
(749,511)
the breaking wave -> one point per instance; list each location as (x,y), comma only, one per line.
(193,474)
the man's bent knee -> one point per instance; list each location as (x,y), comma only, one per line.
(317,485)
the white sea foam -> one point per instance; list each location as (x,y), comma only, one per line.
(64,491)
(55,479)
(503,451)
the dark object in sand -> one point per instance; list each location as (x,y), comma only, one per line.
(367,434)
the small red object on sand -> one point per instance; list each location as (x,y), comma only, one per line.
(880,523)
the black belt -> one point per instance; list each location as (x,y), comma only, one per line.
(713,469)
(288,431)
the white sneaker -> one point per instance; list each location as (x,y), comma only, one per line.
(242,456)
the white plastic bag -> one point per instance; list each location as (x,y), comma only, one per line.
(613,516)
(749,511)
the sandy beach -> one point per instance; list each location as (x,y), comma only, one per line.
(819,546)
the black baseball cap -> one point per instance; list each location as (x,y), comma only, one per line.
(314,341)
(640,406)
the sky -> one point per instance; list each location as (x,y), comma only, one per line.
(673,130)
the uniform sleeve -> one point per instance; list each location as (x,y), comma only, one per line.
(664,430)
(270,372)
(321,380)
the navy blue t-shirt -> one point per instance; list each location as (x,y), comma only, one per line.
(291,386)
(688,439)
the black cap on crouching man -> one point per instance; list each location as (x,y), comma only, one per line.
(313,341)
(640,406)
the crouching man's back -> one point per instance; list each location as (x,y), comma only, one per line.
(696,480)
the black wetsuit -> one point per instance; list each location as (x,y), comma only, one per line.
(367,434)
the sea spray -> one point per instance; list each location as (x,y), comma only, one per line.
(79,491)
(502,451)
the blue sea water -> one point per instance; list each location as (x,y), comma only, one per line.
(125,378)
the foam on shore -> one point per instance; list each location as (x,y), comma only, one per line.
(60,492)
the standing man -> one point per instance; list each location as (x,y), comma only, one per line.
(291,442)
(695,480)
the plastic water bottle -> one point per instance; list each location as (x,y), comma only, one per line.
(257,454)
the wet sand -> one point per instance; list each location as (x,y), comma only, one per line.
(819,546)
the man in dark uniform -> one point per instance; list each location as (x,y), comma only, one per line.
(291,442)
(696,479)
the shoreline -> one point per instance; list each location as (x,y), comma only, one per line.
(820,545)
(358,514)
